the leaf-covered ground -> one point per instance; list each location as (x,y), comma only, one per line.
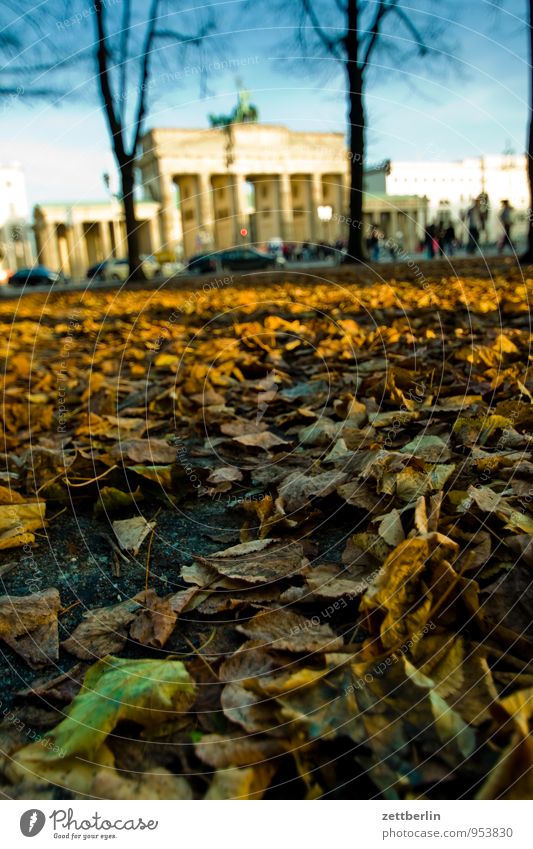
(269,541)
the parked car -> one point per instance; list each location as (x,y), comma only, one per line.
(118,269)
(202,264)
(97,271)
(234,259)
(248,259)
(170,269)
(39,275)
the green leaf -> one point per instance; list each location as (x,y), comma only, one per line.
(147,692)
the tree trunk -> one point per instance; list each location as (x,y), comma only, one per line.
(356,121)
(528,256)
(132,227)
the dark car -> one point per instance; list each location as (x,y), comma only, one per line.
(202,264)
(248,259)
(97,271)
(234,259)
(39,275)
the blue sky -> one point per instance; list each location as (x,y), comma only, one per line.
(478,104)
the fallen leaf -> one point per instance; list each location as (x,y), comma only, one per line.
(157,783)
(247,783)
(152,451)
(18,520)
(225,474)
(332,581)
(28,624)
(258,562)
(265,440)
(146,692)
(432,449)
(297,489)
(131,533)
(391,529)
(155,621)
(236,751)
(284,630)
(103,630)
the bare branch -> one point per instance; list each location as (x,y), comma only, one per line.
(331,44)
(145,70)
(18,91)
(383,9)
(105,84)
(181,37)
(124,38)
(423,49)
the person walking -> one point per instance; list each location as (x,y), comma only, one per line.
(448,240)
(372,242)
(474,223)
(506,220)
(430,241)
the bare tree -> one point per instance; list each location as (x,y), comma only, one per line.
(528,256)
(29,56)
(352,31)
(131,44)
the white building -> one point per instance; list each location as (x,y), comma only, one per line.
(451,187)
(15,232)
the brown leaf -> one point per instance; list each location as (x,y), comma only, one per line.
(102,631)
(248,710)
(332,581)
(155,621)
(413,579)
(131,533)
(181,600)
(284,630)
(259,561)
(297,489)
(62,688)
(241,784)
(242,427)
(238,750)
(157,783)
(264,440)
(225,474)
(152,451)
(28,624)
(390,528)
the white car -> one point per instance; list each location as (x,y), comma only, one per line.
(170,269)
(118,269)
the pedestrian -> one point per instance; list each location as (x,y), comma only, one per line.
(372,242)
(474,224)
(448,240)
(430,241)
(506,220)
